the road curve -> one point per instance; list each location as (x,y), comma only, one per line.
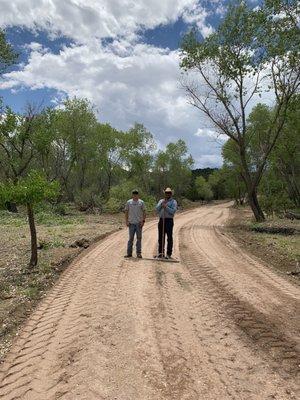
(217,325)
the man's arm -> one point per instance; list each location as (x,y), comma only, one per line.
(144,215)
(126,214)
(172,208)
(159,206)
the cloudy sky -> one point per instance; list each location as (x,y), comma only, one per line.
(121,54)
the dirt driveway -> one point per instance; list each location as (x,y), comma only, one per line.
(218,325)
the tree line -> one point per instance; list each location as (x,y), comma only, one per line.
(279,188)
(95,164)
(64,154)
(254,52)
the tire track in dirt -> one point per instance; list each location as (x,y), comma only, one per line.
(74,350)
(20,379)
(115,329)
(263,332)
(179,382)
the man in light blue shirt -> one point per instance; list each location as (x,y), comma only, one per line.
(135,215)
(166,209)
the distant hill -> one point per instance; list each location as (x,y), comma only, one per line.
(205,172)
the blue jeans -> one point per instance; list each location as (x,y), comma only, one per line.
(135,229)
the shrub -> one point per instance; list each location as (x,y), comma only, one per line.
(87,200)
(113,206)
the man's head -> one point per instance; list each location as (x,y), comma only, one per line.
(168,193)
(135,194)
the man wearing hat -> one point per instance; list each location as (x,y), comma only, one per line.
(166,209)
(135,215)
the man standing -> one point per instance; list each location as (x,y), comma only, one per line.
(135,215)
(166,209)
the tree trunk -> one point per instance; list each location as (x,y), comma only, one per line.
(254,204)
(34,255)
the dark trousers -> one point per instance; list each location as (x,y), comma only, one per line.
(169,223)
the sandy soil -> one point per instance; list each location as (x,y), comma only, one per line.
(20,290)
(217,325)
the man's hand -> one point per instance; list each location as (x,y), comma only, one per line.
(127,223)
(142,223)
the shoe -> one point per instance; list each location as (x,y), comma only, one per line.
(161,255)
(139,256)
(168,257)
(128,256)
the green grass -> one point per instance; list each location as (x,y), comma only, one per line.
(12,219)
(290,245)
(55,243)
(32,292)
(51,219)
(45,218)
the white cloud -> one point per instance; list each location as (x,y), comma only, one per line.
(137,83)
(86,19)
(210,133)
(34,46)
(209,161)
(127,80)
(197,14)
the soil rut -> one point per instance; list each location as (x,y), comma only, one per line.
(217,325)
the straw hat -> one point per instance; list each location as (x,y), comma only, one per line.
(168,190)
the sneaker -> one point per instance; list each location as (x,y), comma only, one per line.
(168,257)
(128,256)
(139,256)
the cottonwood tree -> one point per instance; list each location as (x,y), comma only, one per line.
(75,125)
(279,185)
(29,191)
(138,155)
(20,141)
(253,51)
(7,54)
(19,137)
(172,168)
(203,189)
(285,159)
(231,172)
(217,183)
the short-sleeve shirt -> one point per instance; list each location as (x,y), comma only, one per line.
(135,210)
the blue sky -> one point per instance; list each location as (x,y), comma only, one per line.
(120,54)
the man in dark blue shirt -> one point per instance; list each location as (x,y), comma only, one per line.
(166,209)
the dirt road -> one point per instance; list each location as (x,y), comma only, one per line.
(217,325)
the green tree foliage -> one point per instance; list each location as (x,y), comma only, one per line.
(172,168)
(192,191)
(279,186)
(29,191)
(217,183)
(260,46)
(7,54)
(73,152)
(20,138)
(120,193)
(235,187)
(138,157)
(273,194)
(285,159)
(91,161)
(203,189)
